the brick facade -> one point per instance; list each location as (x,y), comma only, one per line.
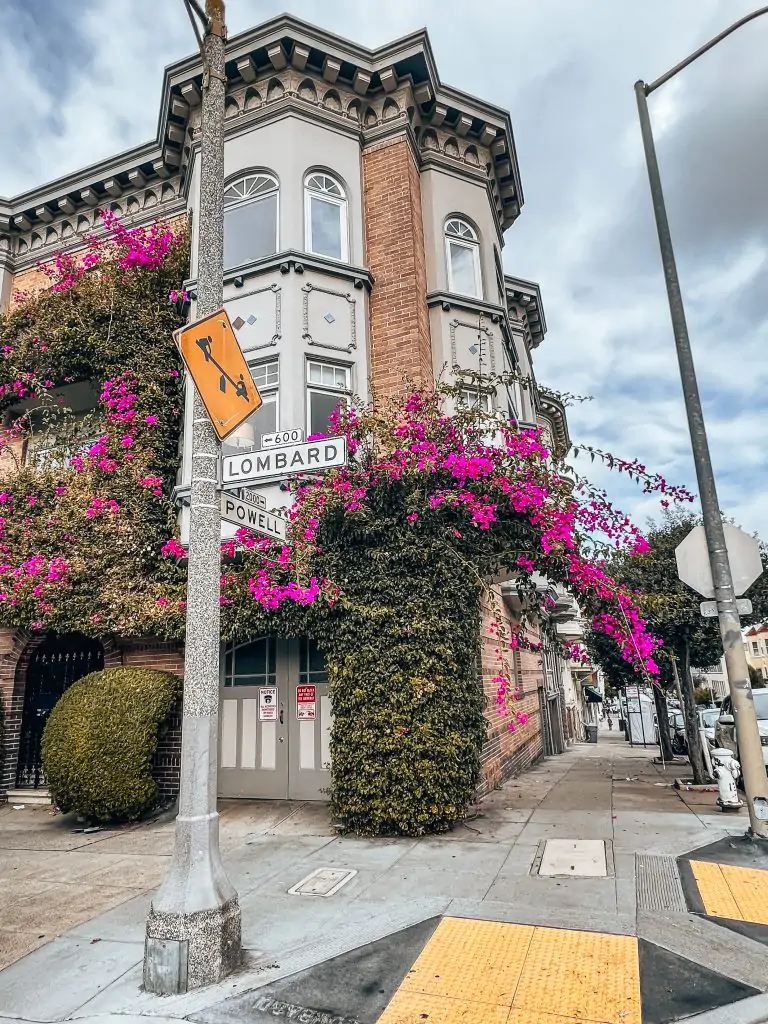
(401,347)
(16,649)
(163,657)
(506,753)
(394,244)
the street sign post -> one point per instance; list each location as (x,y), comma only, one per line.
(250,516)
(693,566)
(273,463)
(216,364)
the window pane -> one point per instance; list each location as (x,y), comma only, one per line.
(315,373)
(321,405)
(462,269)
(325,228)
(312,664)
(265,374)
(248,434)
(250,231)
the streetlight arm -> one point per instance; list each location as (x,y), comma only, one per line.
(703,49)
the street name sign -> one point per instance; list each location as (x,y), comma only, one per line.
(708,609)
(280,437)
(216,364)
(253,498)
(270,463)
(243,513)
(693,567)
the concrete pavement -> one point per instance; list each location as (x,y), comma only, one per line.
(81,899)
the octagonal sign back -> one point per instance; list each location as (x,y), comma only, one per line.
(693,560)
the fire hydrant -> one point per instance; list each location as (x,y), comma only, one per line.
(726,770)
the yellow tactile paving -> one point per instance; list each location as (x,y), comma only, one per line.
(740,894)
(715,895)
(587,975)
(496,973)
(527,1017)
(482,959)
(420,1008)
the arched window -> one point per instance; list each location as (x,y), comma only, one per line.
(325,216)
(250,219)
(463,256)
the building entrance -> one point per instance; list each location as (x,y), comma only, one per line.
(58,662)
(275,720)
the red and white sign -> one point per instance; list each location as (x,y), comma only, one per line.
(267,703)
(306,702)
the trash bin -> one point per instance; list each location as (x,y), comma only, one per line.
(591,734)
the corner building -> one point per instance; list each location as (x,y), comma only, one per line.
(365,209)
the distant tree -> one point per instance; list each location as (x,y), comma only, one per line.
(703,695)
(674,613)
(619,673)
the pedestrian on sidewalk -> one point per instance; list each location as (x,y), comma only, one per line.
(610,721)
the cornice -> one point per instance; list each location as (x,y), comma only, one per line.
(286,42)
(158,201)
(291,260)
(528,295)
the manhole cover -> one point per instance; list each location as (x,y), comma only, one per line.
(322,882)
(577,857)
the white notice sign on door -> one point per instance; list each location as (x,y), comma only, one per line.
(267,703)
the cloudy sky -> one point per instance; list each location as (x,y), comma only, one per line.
(81,80)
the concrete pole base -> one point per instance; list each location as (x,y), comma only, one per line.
(187,951)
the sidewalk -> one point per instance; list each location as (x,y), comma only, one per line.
(465,926)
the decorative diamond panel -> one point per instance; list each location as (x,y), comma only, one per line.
(238,322)
(252,319)
(329,318)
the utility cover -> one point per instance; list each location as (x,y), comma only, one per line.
(322,882)
(693,560)
(579,858)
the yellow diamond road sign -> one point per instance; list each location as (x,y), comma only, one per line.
(216,364)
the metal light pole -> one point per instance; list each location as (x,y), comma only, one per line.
(193,927)
(750,750)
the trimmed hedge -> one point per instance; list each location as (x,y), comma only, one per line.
(99,741)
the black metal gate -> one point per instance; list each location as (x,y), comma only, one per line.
(57,663)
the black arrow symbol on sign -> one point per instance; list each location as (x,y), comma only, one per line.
(241,390)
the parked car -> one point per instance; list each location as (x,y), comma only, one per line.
(725,729)
(708,721)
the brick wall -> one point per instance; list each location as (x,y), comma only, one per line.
(16,649)
(506,753)
(394,244)
(28,282)
(164,657)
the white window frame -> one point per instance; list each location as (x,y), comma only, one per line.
(326,389)
(476,396)
(233,204)
(466,240)
(311,193)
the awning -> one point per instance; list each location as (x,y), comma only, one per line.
(593,696)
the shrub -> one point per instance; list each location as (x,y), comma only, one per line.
(99,741)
